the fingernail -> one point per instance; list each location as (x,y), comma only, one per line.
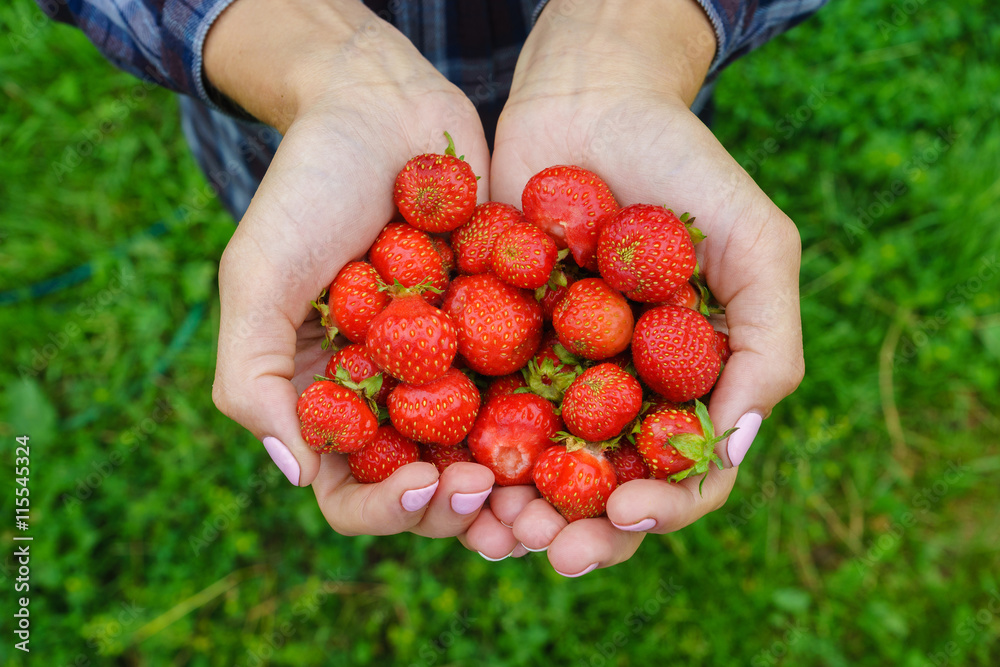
(506,525)
(467,503)
(545,548)
(589,568)
(740,441)
(494,560)
(283,459)
(642,526)
(416,499)
(519,551)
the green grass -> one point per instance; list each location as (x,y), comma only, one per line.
(862,530)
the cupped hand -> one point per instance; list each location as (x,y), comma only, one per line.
(362,104)
(606,93)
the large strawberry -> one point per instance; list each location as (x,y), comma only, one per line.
(601,402)
(524,256)
(360,365)
(646,252)
(385,454)
(677,442)
(440,412)
(473,241)
(673,349)
(593,320)
(571,204)
(576,478)
(406,255)
(411,340)
(436,193)
(355,299)
(334,418)
(498,326)
(509,434)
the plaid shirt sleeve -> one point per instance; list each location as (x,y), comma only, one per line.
(156,40)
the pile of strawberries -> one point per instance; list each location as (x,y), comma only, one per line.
(470,335)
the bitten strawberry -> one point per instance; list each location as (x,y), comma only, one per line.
(440,412)
(571,204)
(593,320)
(509,434)
(436,193)
(473,241)
(442,456)
(576,478)
(524,256)
(677,442)
(406,255)
(334,418)
(646,252)
(355,299)
(385,454)
(673,349)
(601,402)
(498,326)
(411,340)
(628,463)
(359,364)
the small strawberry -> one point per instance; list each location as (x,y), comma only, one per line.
(334,418)
(677,442)
(628,463)
(442,456)
(503,385)
(446,253)
(406,255)
(411,340)
(355,299)
(601,402)
(686,296)
(571,204)
(439,412)
(509,434)
(524,256)
(436,193)
(593,320)
(498,326)
(722,346)
(359,364)
(552,370)
(576,478)
(673,349)
(646,252)
(551,293)
(473,241)
(385,454)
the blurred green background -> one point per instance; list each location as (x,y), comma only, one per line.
(862,531)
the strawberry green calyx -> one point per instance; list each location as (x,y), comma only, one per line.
(367,389)
(573,443)
(450,151)
(325,320)
(548,381)
(397,289)
(699,448)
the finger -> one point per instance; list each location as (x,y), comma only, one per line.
(587,544)
(538,524)
(508,501)
(658,506)
(463,489)
(393,506)
(488,537)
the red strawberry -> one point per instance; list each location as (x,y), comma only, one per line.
(722,346)
(673,349)
(646,252)
(440,412)
(503,385)
(407,255)
(436,193)
(570,204)
(601,402)
(473,241)
(498,326)
(577,479)
(524,256)
(686,296)
(628,463)
(442,456)
(359,364)
(385,454)
(355,300)
(509,434)
(552,370)
(551,293)
(411,340)
(446,254)
(593,320)
(677,443)
(334,418)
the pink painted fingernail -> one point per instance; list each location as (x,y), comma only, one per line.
(545,548)
(416,499)
(494,560)
(283,459)
(642,526)
(589,568)
(519,551)
(740,441)
(467,503)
